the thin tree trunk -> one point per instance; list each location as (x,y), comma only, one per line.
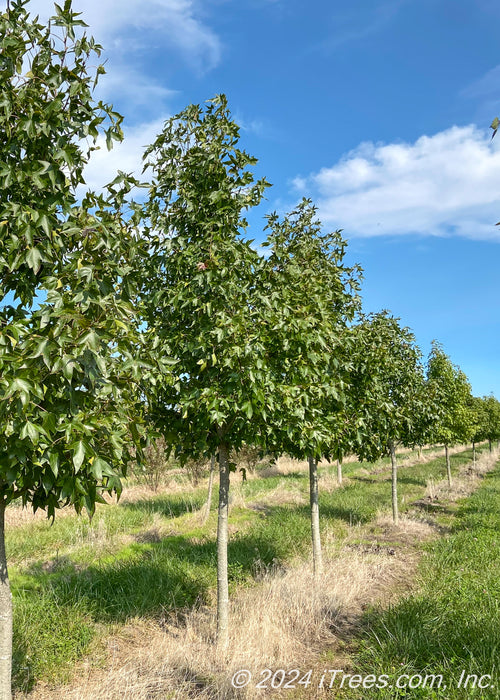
(339,471)
(394,464)
(316,539)
(5,615)
(489,444)
(474,454)
(448,465)
(222,579)
(420,451)
(209,494)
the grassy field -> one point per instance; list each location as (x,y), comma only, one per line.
(148,562)
(450,627)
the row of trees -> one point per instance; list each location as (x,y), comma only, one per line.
(124,319)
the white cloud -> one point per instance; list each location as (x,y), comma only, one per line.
(173,22)
(444,184)
(125,156)
(141,95)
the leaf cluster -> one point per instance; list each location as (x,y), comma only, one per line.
(67,340)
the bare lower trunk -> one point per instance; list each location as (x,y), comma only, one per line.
(5,616)
(474,454)
(316,539)
(210,489)
(394,464)
(222,580)
(489,445)
(448,465)
(339,471)
(420,451)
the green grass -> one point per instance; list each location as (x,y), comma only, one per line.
(48,637)
(73,579)
(452,624)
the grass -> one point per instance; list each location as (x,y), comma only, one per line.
(451,625)
(280,623)
(151,558)
(46,632)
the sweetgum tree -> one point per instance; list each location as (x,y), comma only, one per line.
(449,391)
(491,419)
(387,397)
(211,390)
(65,283)
(310,298)
(478,432)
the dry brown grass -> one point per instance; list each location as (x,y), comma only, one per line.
(176,481)
(467,481)
(407,457)
(17,516)
(409,531)
(284,622)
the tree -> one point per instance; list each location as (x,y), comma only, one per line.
(212,391)
(450,393)
(311,295)
(66,370)
(478,415)
(386,385)
(491,419)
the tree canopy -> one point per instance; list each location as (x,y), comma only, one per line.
(67,405)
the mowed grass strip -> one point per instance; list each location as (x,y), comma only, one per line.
(450,626)
(74,579)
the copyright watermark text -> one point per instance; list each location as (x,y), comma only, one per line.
(282,679)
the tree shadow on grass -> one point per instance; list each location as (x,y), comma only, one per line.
(293,475)
(274,473)
(365,479)
(147,579)
(21,678)
(411,481)
(354,515)
(169,506)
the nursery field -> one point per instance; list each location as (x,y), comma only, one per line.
(159,317)
(123,606)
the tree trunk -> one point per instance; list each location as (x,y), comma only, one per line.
(5,615)
(222,579)
(394,464)
(448,465)
(339,471)
(316,539)
(209,494)
(420,451)
(474,454)
(489,444)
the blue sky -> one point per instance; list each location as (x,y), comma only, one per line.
(377,110)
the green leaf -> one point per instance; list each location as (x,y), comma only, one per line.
(78,455)
(34,259)
(30,430)
(101,468)
(54,463)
